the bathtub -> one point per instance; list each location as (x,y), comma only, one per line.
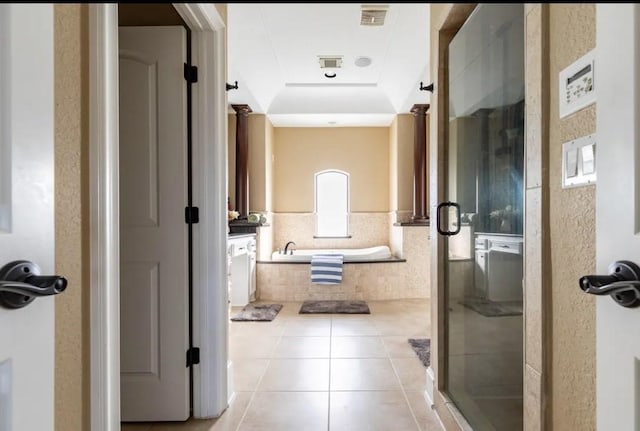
(350,254)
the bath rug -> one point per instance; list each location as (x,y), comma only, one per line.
(257,313)
(422,347)
(493,309)
(334,307)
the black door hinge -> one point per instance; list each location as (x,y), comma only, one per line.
(190,73)
(193,356)
(191,215)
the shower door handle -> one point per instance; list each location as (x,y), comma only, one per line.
(447,232)
(622,283)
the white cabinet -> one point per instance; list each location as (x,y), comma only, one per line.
(242,251)
(499,267)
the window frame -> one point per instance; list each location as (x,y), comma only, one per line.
(315,202)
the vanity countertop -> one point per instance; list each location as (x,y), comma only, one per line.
(240,235)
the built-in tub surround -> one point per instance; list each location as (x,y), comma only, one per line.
(405,279)
(381,252)
(367,229)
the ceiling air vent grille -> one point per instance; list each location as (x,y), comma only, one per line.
(373,15)
(330,62)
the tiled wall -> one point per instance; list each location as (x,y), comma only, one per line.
(264,242)
(536,198)
(364,281)
(367,230)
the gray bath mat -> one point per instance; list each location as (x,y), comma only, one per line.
(257,313)
(422,347)
(334,307)
(493,309)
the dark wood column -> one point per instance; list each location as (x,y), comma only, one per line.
(242,160)
(420,186)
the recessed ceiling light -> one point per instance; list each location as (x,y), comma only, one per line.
(332,122)
(363,61)
(330,75)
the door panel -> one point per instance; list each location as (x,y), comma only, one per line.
(26,210)
(617,213)
(139,167)
(483,221)
(153,190)
(140,317)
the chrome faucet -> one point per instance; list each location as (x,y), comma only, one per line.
(286,247)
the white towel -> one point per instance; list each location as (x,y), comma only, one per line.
(326,268)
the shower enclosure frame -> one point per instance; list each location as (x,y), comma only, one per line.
(445,27)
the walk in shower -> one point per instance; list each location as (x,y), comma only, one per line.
(485,188)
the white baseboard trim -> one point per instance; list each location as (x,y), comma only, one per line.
(428,393)
(231,393)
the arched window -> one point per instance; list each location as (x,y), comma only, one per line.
(332,203)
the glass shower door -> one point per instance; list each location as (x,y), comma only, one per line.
(485,179)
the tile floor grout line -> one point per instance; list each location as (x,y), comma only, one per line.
(255,389)
(336,326)
(253,394)
(404,393)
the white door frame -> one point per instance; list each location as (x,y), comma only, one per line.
(210,293)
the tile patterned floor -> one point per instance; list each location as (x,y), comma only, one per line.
(325,372)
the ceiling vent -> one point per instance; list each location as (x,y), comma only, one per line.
(373,14)
(330,62)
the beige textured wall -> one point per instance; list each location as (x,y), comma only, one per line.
(300,152)
(572,220)
(71,217)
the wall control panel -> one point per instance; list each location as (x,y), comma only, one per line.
(577,85)
(579,162)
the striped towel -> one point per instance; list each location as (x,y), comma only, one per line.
(326,268)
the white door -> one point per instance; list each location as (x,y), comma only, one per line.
(617,82)
(154,308)
(26,211)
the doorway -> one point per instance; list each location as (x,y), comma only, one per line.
(209,122)
(155,238)
(482,219)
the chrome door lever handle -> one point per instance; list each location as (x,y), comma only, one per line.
(57,285)
(622,283)
(21,283)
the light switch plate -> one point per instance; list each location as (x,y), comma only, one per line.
(579,162)
(577,85)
